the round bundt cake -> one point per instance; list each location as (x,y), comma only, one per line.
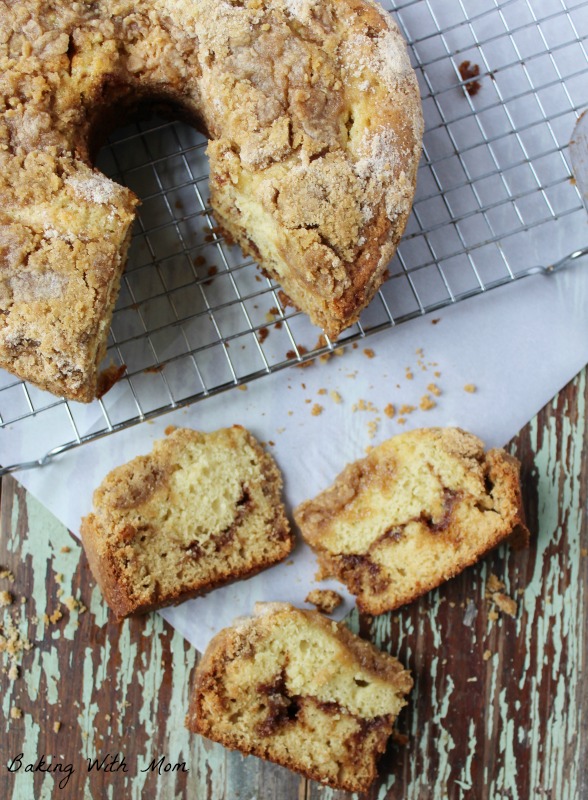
(314,118)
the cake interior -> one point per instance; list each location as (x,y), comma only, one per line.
(202,510)
(416,511)
(303,692)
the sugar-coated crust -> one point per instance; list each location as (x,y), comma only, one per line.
(150,509)
(233,648)
(315,121)
(415,512)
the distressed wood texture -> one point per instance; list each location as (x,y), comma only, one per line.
(499,708)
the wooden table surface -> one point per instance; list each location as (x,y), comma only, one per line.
(499,708)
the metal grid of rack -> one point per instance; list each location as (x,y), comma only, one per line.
(494,200)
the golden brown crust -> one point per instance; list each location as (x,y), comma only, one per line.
(417,511)
(201,511)
(296,688)
(316,124)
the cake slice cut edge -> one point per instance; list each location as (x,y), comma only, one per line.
(419,509)
(200,511)
(295,688)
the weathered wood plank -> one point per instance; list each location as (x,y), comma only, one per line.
(499,708)
(514,725)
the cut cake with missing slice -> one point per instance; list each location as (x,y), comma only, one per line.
(293,687)
(416,511)
(200,511)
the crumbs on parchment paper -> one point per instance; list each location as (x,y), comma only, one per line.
(400,411)
(326,600)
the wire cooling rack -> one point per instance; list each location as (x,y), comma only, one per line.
(495,199)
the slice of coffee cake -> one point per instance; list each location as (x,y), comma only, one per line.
(201,510)
(293,687)
(415,512)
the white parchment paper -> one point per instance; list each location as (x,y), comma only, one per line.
(518,345)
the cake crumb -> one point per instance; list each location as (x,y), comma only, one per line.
(13,644)
(389,411)
(487,654)
(372,427)
(56,727)
(317,410)
(6,599)
(326,600)
(322,391)
(368,352)
(493,615)
(434,389)
(74,605)
(364,405)
(65,549)
(468,72)
(505,603)
(427,403)
(302,351)
(493,584)
(6,574)
(335,396)
(15,713)
(470,388)
(406,409)
(409,374)
(401,420)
